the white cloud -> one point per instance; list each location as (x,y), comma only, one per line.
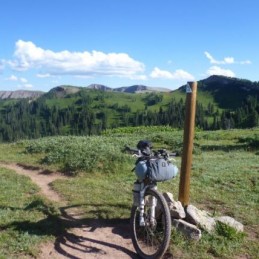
(29,56)
(179,74)
(216,70)
(229,60)
(226,60)
(245,62)
(15,78)
(43,75)
(211,59)
(23,80)
(12,78)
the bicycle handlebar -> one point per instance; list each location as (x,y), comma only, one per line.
(132,150)
(157,153)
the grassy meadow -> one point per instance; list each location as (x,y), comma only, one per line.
(225,176)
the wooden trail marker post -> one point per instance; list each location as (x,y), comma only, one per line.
(189,126)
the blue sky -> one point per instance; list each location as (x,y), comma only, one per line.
(165,43)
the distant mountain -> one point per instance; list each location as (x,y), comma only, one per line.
(63,90)
(129,89)
(222,103)
(99,87)
(66,89)
(213,83)
(229,92)
(140,89)
(20,94)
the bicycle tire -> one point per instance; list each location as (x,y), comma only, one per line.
(151,242)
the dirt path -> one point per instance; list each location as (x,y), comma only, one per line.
(95,239)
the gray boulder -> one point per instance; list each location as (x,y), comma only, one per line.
(176,210)
(175,207)
(187,229)
(200,218)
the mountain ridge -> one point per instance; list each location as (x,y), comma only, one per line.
(20,94)
(212,84)
(222,103)
(62,90)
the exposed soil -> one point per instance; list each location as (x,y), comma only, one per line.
(79,238)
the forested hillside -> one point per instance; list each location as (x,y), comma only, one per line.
(223,103)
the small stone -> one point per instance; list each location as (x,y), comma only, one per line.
(168,197)
(176,210)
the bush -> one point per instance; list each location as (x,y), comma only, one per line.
(75,154)
(252,142)
(99,153)
(228,232)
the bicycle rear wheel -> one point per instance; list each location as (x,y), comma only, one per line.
(152,240)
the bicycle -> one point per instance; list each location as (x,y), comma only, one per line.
(150,218)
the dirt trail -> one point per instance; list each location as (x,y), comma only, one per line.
(95,239)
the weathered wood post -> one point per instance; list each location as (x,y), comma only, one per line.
(189,126)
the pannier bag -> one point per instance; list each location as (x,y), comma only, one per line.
(157,170)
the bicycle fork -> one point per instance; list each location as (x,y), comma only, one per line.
(142,203)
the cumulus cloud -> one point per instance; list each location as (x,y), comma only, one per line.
(216,70)
(12,78)
(179,74)
(20,81)
(226,60)
(15,78)
(29,56)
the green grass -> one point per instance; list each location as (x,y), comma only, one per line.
(15,153)
(100,196)
(61,102)
(26,219)
(224,181)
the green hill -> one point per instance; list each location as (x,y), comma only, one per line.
(229,93)
(222,102)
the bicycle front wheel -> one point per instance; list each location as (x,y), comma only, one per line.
(151,240)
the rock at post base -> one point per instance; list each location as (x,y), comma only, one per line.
(176,210)
(188,230)
(200,218)
(175,207)
(168,197)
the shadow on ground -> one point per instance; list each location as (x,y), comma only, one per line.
(61,227)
